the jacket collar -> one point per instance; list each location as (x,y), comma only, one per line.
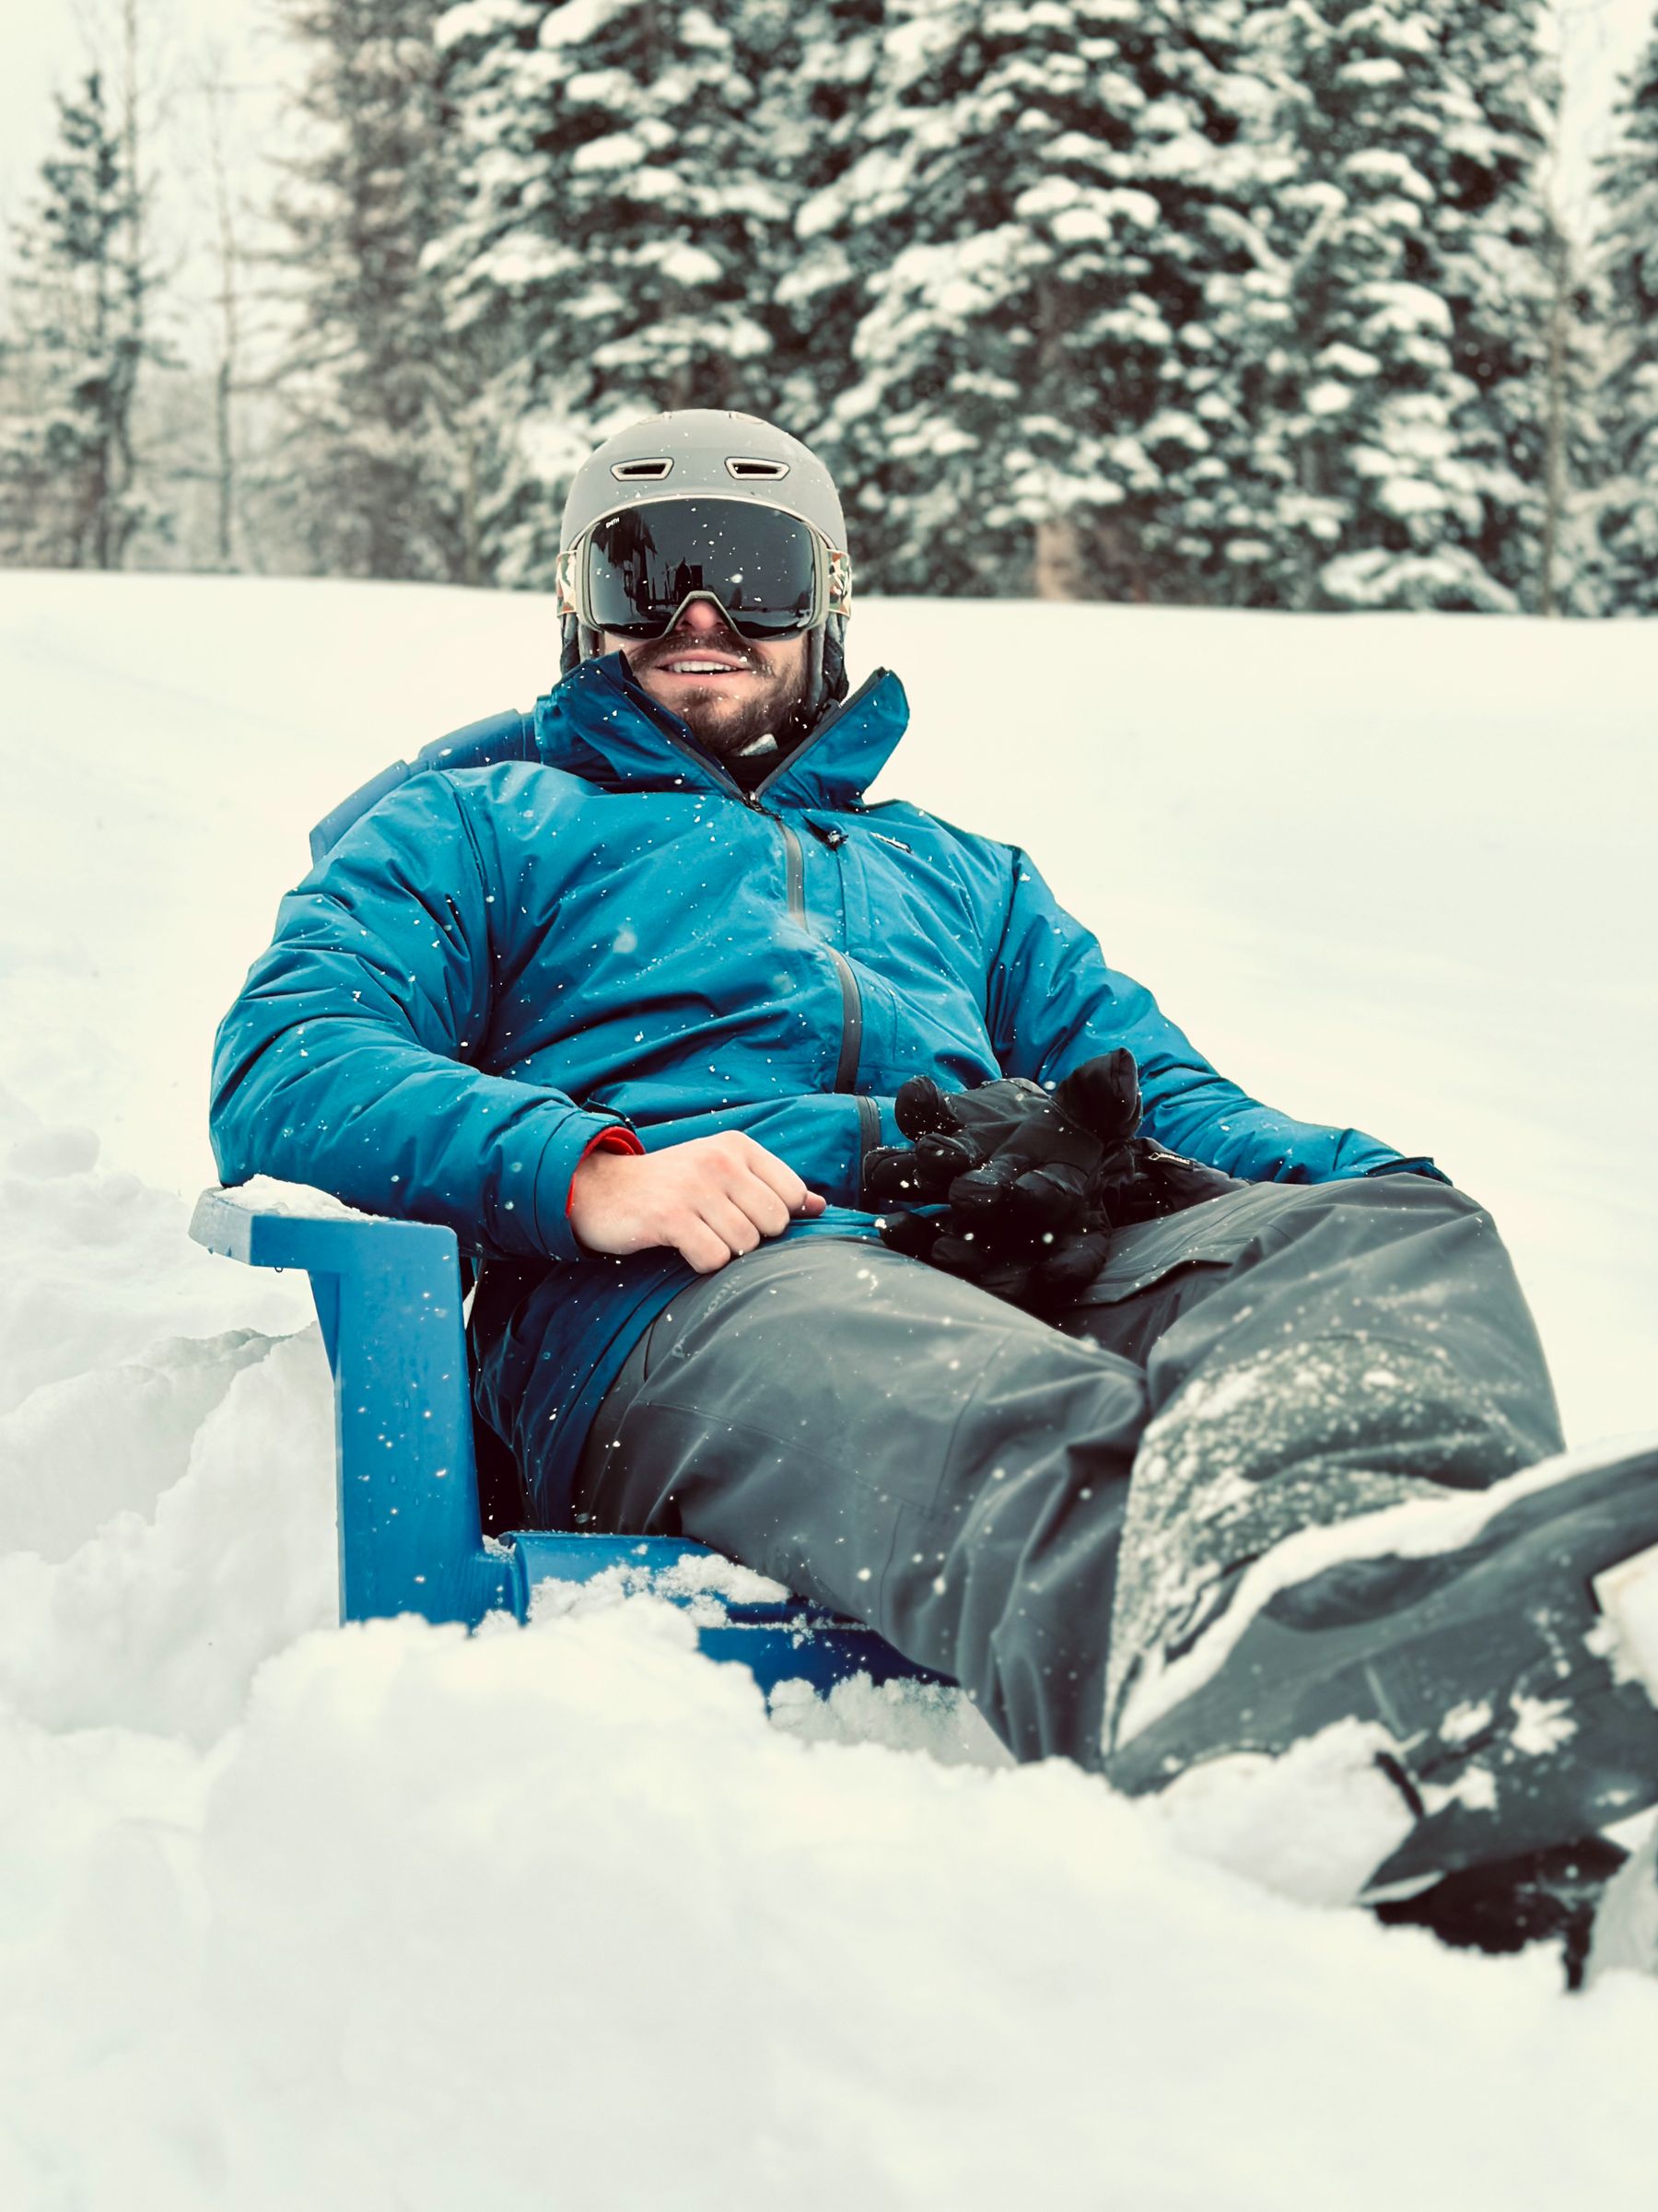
(602,726)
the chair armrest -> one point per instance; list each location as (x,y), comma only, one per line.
(265,1223)
(388,1298)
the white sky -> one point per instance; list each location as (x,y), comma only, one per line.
(1600,40)
(48,47)
(46,44)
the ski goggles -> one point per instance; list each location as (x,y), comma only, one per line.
(769,574)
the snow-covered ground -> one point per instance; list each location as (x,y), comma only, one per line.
(291,1917)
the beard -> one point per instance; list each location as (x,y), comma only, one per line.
(766,701)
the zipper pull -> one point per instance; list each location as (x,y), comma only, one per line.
(826,834)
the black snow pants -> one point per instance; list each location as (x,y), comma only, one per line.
(899,1446)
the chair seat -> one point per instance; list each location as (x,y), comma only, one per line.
(778,1640)
(388,1298)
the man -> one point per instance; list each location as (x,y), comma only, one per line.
(645,1014)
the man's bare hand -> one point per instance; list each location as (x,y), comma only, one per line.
(708,1201)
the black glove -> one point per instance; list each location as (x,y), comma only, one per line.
(1031,1182)
(1041,1273)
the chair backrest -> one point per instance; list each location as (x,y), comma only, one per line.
(506,736)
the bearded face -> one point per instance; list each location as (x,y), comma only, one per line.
(732,692)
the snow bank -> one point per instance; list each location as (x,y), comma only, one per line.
(388,1918)
(554,1917)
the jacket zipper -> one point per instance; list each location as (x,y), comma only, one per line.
(845,1069)
(851,1044)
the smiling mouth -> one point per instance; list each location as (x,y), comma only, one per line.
(693,664)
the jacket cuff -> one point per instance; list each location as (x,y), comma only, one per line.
(612,1140)
(575,1137)
(1421,1165)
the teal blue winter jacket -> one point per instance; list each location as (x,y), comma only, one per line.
(492,966)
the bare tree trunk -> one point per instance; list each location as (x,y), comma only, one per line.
(124,383)
(214,89)
(99,490)
(1056,563)
(471,558)
(1554,462)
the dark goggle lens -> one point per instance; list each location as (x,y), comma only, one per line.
(643,564)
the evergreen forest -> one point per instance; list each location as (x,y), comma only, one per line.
(1208,302)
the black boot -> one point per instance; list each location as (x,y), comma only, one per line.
(1547,1896)
(1457,1636)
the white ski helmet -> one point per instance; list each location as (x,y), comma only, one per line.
(702,454)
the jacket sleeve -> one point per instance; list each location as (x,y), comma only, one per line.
(1054,1002)
(346,1062)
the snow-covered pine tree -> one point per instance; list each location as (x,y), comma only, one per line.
(998,244)
(69,489)
(1569,579)
(1627,499)
(1215,135)
(1500,247)
(381,461)
(821,87)
(1358,392)
(1398,456)
(1032,205)
(622,228)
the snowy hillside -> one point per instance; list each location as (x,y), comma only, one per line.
(384,1918)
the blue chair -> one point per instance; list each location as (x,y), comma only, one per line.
(388,1296)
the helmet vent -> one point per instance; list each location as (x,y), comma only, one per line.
(748,471)
(641,472)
